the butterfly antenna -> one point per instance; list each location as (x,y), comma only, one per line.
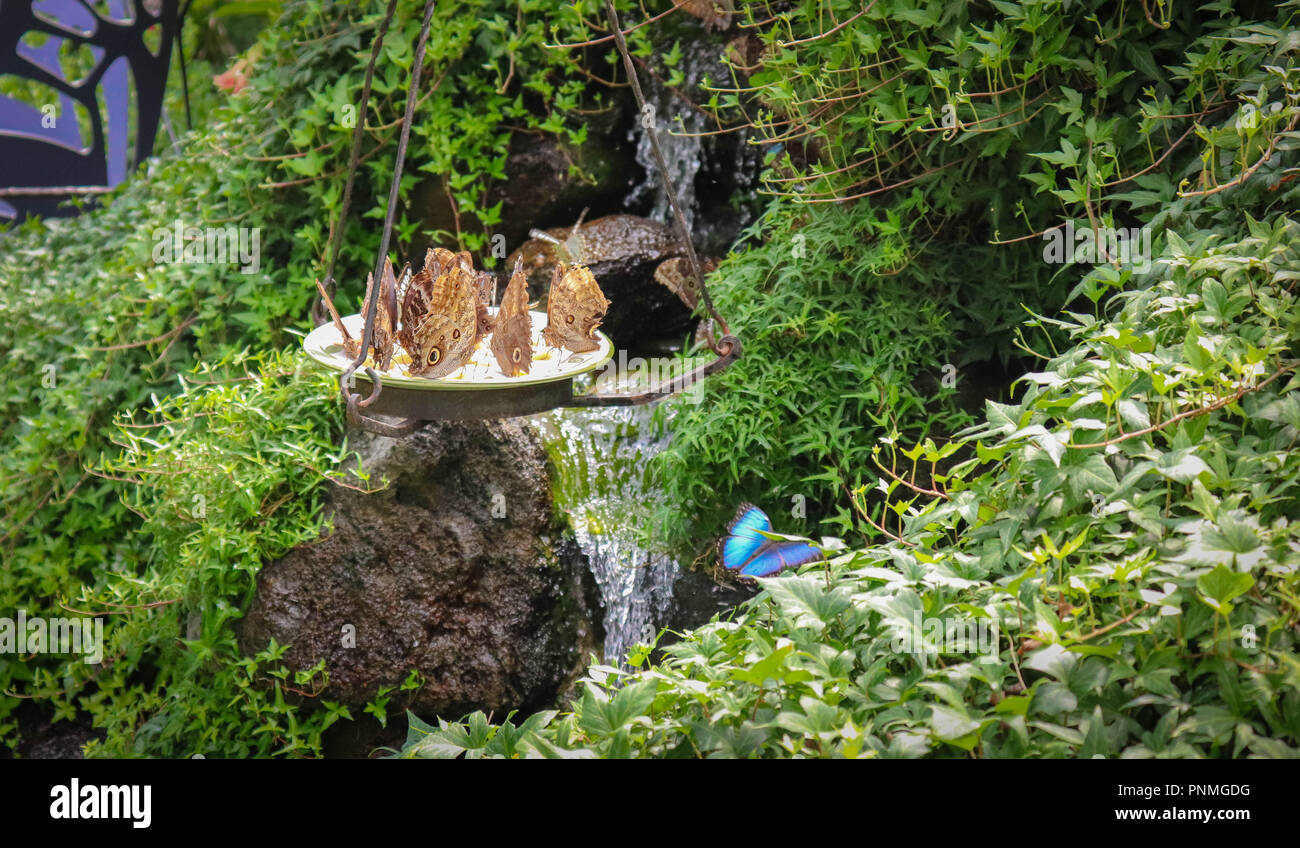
(573,244)
(561,249)
(334,313)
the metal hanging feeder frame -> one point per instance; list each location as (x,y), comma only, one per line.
(416,408)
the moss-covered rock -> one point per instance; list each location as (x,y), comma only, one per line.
(457,570)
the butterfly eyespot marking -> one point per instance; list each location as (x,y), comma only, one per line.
(568,319)
(455,334)
(516,356)
(434,356)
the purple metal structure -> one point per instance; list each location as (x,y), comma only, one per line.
(44,157)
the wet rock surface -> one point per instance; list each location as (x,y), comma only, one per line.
(697,598)
(43,738)
(540,184)
(458,569)
(623,252)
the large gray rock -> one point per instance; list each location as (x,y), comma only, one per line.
(540,187)
(459,569)
(622,252)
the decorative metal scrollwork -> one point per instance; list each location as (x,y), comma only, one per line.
(48,152)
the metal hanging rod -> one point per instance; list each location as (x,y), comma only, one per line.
(354,401)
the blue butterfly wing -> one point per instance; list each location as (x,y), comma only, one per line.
(772,557)
(743,541)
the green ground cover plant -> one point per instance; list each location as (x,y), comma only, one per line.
(918,158)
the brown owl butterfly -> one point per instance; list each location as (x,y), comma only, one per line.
(485,285)
(512,340)
(675,275)
(385,317)
(574,309)
(416,296)
(351,346)
(446,337)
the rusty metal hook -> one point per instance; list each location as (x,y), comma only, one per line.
(729,347)
(405,427)
(356,403)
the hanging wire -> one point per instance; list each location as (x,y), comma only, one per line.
(336,239)
(180,49)
(683,232)
(354,401)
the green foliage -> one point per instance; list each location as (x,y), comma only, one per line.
(1123,521)
(1081,113)
(224,475)
(1069,99)
(1128,526)
(832,348)
(487,76)
(92,330)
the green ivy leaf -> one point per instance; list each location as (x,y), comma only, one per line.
(1221,585)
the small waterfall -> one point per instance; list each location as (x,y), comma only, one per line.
(684,154)
(601,458)
(708,169)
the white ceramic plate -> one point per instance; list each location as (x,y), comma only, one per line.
(325,345)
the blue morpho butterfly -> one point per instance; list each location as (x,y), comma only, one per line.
(746,550)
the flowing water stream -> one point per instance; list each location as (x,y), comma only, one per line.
(602,455)
(601,458)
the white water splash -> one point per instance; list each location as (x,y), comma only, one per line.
(678,124)
(602,457)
